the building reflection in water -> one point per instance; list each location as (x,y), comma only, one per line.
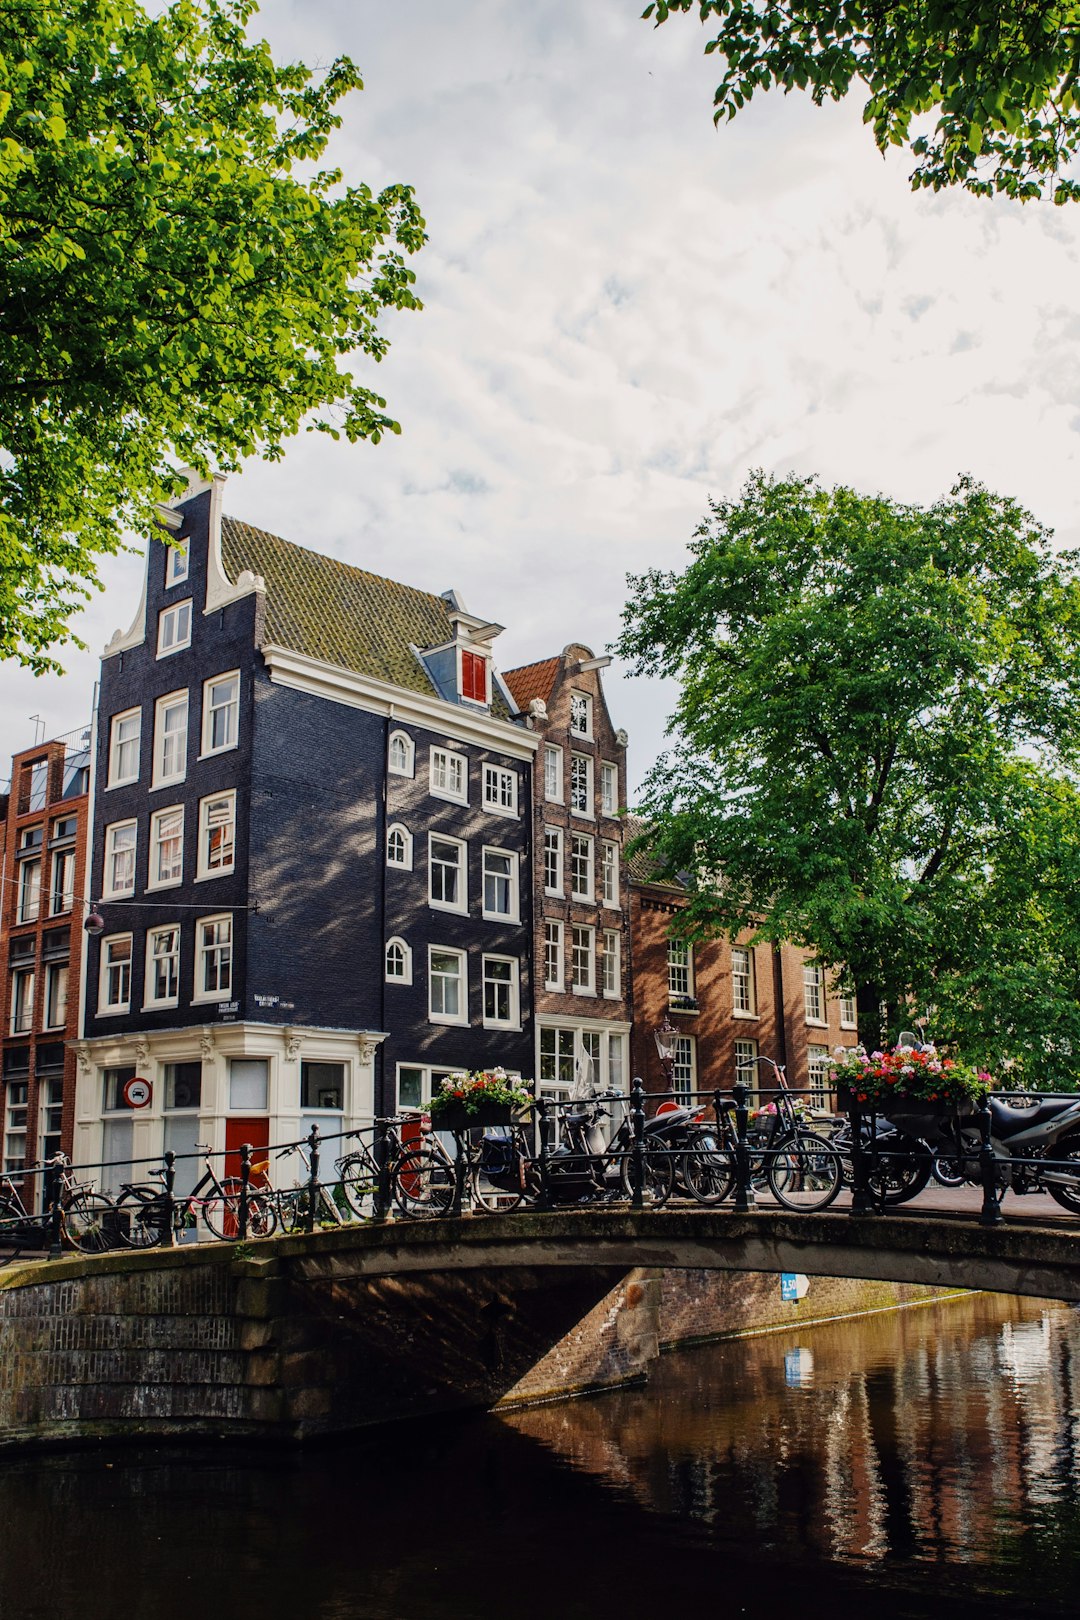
(947,1433)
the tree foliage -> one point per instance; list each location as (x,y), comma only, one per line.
(983,92)
(876,733)
(179,280)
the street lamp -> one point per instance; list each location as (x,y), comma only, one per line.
(665,1037)
(95,923)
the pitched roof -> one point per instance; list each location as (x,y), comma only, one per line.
(530,681)
(642,866)
(339,614)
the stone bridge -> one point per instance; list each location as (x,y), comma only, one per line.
(294,1337)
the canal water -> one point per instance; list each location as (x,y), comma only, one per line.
(921,1463)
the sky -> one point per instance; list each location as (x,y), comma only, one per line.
(627,310)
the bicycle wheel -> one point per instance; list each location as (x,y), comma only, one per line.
(142,1219)
(659,1178)
(804,1172)
(291,1209)
(896,1179)
(359,1181)
(708,1175)
(261,1216)
(422,1185)
(948,1172)
(87,1223)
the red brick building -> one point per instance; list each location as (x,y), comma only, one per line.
(580,891)
(730,1003)
(43,839)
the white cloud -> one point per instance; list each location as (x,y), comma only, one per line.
(626,310)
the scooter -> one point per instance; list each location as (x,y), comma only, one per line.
(587,1164)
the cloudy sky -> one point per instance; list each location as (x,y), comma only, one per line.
(626,310)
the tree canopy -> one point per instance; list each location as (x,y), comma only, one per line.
(983,93)
(876,739)
(179,281)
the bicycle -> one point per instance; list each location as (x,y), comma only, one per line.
(143,1210)
(292,1204)
(85,1213)
(800,1168)
(358,1170)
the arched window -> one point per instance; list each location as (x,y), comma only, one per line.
(398,962)
(401,754)
(399,846)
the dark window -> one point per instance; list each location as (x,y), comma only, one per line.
(56,942)
(183,1085)
(50,1057)
(17,1060)
(321,1085)
(66,827)
(22,950)
(115,1081)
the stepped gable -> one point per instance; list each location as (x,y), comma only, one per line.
(339,614)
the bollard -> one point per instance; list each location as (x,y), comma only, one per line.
(313,1178)
(990,1214)
(56,1214)
(543,1151)
(168,1236)
(637,1161)
(458,1201)
(862,1202)
(245,1183)
(381,1146)
(743,1196)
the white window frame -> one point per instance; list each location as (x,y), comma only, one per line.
(152,935)
(818,1061)
(65,893)
(684,1067)
(397,832)
(462,980)
(745,1055)
(109,890)
(583,987)
(511,880)
(585,761)
(160,777)
(584,699)
(447,763)
(611,983)
(152,879)
(680,959)
(167,618)
(462,902)
(609,788)
(22,1000)
(814,994)
(554,938)
(205,872)
(588,843)
(849,1011)
(31,877)
(553,773)
(553,845)
(743,985)
(209,710)
(117,744)
(105,967)
(177,562)
(500,790)
(407,765)
(513,1021)
(203,952)
(406,975)
(609,874)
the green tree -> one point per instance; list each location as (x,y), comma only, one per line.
(876,730)
(179,280)
(984,94)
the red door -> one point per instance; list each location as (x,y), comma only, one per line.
(255,1131)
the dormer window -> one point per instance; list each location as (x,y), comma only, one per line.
(581,714)
(474,677)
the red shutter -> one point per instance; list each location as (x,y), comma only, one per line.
(474,677)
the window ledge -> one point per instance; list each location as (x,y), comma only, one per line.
(500,810)
(444,1018)
(510,1029)
(448,798)
(741,1012)
(684,1004)
(441,905)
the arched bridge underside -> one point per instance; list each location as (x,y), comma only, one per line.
(314,1334)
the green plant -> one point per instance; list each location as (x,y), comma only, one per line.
(473,1090)
(878,1078)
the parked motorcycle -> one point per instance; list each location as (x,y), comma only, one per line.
(587,1163)
(901,1165)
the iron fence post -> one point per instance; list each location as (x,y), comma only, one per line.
(56,1214)
(543,1149)
(458,1201)
(861,1201)
(637,1162)
(990,1214)
(168,1236)
(245,1183)
(743,1199)
(313,1178)
(381,1146)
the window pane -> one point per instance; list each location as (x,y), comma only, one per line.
(322,1085)
(249,1080)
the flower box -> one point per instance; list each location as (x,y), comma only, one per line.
(454,1116)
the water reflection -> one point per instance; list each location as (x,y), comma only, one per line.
(927,1462)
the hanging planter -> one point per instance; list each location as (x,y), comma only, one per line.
(477,1101)
(907,1082)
